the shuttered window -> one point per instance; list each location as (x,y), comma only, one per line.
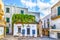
(7,20)
(33,32)
(7,10)
(58,11)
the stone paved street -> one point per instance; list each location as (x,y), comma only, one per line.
(9,37)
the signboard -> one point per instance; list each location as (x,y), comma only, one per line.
(1,30)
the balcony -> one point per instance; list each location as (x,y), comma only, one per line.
(53,27)
(55,17)
(55,30)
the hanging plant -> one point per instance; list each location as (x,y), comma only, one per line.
(22,18)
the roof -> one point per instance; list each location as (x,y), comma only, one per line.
(58,3)
(34,12)
(16,6)
(22,8)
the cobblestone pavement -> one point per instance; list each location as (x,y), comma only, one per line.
(9,37)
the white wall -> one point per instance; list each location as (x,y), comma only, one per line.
(36,14)
(32,27)
(56,22)
(53,34)
(15,9)
(54,12)
(1,30)
(45,19)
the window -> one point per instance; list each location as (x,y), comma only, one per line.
(7,10)
(19,30)
(7,20)
(44,24)
(22,11)
(58,35)
(28,31)
(48,23)
(23,31)
(33,32)
(58,10)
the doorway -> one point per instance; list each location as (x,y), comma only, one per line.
(19,30)
(28,31)
(45,32)
(7,30)
(38,32)
(58,35)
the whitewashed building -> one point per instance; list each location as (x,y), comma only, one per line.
(46,23)
(55,24)
(10,10)
(29,29)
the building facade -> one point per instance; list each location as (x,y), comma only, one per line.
(46,23)
(29,29)
(2,21)
(10,10)
(55,23)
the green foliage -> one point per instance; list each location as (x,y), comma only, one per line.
(7,29)
(23,18)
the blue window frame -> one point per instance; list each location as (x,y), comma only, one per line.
(23,31)
(58,10)
(33,31)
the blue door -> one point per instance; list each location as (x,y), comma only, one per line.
(33,32)
(23,31)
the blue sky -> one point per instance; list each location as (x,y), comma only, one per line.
(41,6)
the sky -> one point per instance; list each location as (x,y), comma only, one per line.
(42,6)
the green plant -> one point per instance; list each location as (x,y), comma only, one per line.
(23,18)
